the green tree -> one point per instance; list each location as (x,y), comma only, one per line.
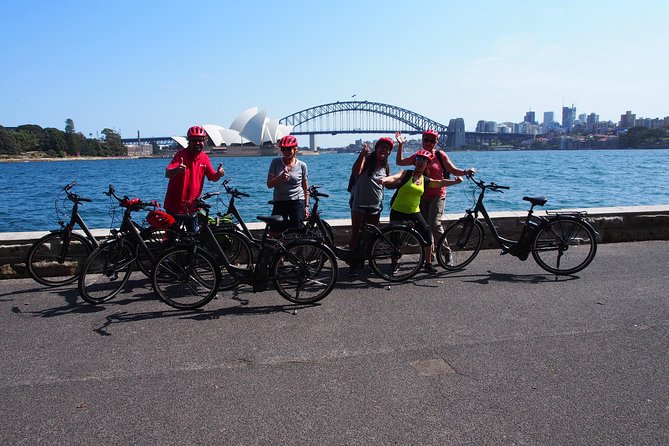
(28,141)
(54,142)
(8,143)
(113,144)
(69,126)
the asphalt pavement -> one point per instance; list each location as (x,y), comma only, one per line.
(501,353)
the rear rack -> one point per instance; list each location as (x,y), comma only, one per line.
(568,213)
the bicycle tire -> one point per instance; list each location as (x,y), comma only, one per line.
(305,272)
(186,278)
(47,263)
(463,240)
(106,271)
(239,252)
(564,246)
(396,255)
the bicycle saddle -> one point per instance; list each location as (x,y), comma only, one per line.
(272,219)
(536,201)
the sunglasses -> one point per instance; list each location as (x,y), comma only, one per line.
(429,140)
(287,149)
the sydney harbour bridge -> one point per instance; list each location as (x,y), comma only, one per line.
(364,117)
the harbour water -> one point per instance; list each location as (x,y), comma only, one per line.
(573,178)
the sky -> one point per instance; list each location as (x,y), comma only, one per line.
(158,67)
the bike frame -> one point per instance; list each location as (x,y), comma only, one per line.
(254,275)
(504,242)
(75,219)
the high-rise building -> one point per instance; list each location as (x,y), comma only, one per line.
(549,118)
(568,117)
(480,126)
(627,120)
(529,117)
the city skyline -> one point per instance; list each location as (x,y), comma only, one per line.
(159,68)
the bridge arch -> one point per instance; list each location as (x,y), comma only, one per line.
(354,117)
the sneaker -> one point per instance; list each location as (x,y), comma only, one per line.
(430,268)
(352,272)
(449,259)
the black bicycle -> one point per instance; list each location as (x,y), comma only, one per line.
(57,258)
(188,275)
(561,243)
(394,253)
(109,266)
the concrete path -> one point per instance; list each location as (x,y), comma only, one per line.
(498,354)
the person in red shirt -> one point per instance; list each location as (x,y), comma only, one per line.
(186,172)
(434,199)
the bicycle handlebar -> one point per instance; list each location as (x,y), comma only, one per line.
(234,192)
(492,186)
(313,191)
(74,197)
(133,204)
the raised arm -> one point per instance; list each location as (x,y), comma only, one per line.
(359,164)
(399,156)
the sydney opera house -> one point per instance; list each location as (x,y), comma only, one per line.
(251,133)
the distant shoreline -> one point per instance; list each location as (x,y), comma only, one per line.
(27,159)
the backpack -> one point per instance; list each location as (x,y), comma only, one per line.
(406,177)
(440,158)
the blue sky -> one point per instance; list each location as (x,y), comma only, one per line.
(161,66)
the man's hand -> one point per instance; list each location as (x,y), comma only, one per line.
(181,168)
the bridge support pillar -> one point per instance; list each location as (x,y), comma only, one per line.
(312,142)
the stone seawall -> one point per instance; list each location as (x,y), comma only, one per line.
(614,224)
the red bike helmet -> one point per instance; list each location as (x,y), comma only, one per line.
(196,132)
(425,153)
(288,141)
(431,132)
(383,140)
(160,219)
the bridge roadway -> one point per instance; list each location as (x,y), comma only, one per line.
(501,353)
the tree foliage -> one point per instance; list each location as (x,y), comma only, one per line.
(57,143)
(637,137)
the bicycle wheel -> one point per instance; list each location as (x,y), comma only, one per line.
(460,244)
(397,254)
(57,258)
(237,249)
(157,241)
(106,271)
(565,246)
(186,278)
(305,272)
